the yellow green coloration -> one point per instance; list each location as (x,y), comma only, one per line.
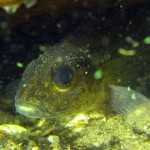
(125,52)
(59,59)
(19,65)
(12,129)
(47,94)
(147,40)
(98,74)
(12,8)
(56,88)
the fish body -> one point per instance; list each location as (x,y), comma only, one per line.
(81,74)
(61,83)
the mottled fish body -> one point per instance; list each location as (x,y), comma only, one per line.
(81,74)
(61,82)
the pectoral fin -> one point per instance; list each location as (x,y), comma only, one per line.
(125,100)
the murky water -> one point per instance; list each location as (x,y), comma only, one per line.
(88,89)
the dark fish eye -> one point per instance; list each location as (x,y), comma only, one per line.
(63,75)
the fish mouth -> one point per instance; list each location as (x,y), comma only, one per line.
(31,110)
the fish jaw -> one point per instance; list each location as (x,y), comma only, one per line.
(31,110)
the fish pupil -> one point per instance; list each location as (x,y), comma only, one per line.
(63,75)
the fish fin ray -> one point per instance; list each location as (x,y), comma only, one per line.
(125,100)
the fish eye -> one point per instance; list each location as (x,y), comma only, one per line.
(63,75)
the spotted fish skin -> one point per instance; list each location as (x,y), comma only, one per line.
(61,83)
(41,96)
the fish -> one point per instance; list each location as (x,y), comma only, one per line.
(61,82)
(50,85)
(83,73)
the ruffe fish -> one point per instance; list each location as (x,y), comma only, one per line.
(62,82)
(80,75)
(59,83)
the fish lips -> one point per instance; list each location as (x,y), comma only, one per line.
(31,110)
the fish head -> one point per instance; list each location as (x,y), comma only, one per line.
(58,83)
